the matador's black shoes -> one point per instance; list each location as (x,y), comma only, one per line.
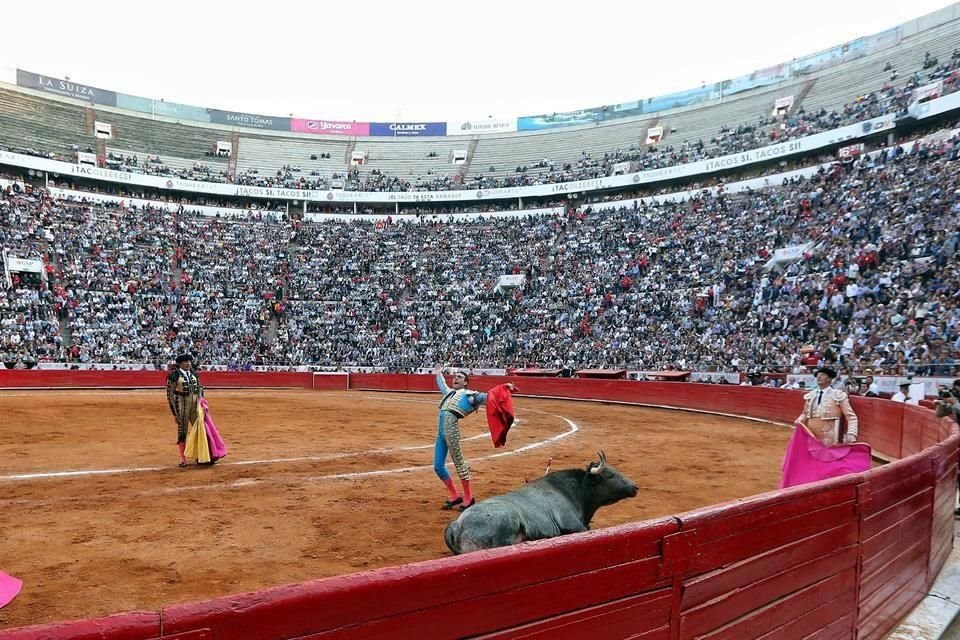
(450,504)
(467,506)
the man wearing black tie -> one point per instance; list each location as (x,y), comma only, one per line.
(823,409)
(183,394)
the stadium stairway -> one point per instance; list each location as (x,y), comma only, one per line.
(348,153)
(65,333)
(798,99)
(465,167)
(232,162)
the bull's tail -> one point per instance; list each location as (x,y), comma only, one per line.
(451,536)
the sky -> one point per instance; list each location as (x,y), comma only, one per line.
(423,60)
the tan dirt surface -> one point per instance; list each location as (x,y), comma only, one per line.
(273,512)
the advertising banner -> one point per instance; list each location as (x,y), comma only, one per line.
(936,106)
(712,165)
(408,129)
(927,92)
(474,127)
(66,88)
(330,127)
(759,78)
(564,119)
(249,120)
(623,110)
(162,108)
(20,265)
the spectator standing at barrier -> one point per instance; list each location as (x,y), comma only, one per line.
(872,389)
(904,395)
(183,395)
(823,409)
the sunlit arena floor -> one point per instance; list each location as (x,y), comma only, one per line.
(97,518)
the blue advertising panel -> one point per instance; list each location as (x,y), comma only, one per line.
(407,129)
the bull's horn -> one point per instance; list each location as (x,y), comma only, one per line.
(598,467)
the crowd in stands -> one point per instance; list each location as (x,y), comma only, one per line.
(893,97)
(873,284)
(154,166)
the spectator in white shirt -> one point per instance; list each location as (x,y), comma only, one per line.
(904,395)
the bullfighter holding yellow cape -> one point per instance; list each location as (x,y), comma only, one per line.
(197,436)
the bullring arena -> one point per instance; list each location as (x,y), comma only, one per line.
(329,482)
(662,279)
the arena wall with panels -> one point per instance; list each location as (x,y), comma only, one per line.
(845,558)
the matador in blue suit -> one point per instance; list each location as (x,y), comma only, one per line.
(458,402)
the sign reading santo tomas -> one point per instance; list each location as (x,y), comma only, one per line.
(249,120)
(66,88)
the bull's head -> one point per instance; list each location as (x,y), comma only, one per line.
(610,485)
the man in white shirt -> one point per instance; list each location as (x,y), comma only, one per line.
(904,395)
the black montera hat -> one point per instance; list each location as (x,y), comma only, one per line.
(831,373)
(186,357)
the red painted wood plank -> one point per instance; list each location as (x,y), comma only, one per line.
(943,524)
(893,473)
(841,629)
(620,619)
(517,607)
(136,625)
(892,493)
(938,557)
(912,440)
(874,563)
(750,542)
(884,579)
(880,542)
(896,512)
(945,494)
(876,589)
(825,617)
(751,597)
(733,517)
(837,589)
(890,553)
(657,634)
(702,588)
(879,621)
(331,603)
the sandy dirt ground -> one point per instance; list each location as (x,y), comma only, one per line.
(316,484)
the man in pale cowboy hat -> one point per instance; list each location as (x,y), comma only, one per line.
(823,409)
(183,394)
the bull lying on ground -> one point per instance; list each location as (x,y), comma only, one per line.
(559,503)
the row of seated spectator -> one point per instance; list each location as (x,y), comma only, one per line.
(682,284)
(766,130)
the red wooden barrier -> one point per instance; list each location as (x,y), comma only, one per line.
(135,625)
(844,558)
(47,379)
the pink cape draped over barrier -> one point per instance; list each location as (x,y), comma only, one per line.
(9,588)
(808,460)
(218,448)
